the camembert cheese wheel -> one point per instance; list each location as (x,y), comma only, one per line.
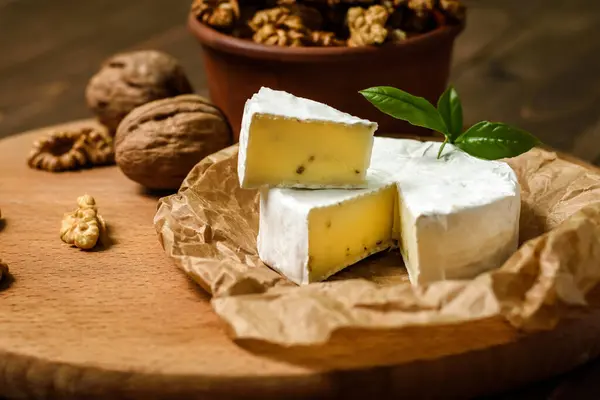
(289,141)
(452,218)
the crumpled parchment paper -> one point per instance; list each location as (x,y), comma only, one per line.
(209,229)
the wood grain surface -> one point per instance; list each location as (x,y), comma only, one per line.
(532,63)
(123,322)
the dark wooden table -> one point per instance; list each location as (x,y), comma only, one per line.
(532,63)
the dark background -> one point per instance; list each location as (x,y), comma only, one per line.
(532,63)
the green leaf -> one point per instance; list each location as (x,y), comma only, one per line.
(450,109)
(494,140)
(402,105)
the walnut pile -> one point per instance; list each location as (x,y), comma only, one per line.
(71,150)
(272,35)
(293,16)
(128,80)
(158,143)
(302,23)
(83,227)
(291,25)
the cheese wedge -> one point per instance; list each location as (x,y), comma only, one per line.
(457,216)
(289,141)
(309,235)
(452,218)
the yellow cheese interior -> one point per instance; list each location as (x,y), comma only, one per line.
(405,231)
(343,234)
(282,151)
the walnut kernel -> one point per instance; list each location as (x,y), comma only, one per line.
(99,147)
(220,14)
(289,25)
(59,151)
(71,150)
(83,227)
(367,26)
(325,39)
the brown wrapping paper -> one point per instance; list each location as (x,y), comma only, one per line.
(209,229)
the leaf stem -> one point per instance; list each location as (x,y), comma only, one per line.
(442,147)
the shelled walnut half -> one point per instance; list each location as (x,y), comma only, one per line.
(220,14)
(285,25)
(367,26)
(292,25)
(84,227)
(71,150)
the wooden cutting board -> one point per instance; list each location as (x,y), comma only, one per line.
(123,322)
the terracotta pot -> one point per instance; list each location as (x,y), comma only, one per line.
(237,68)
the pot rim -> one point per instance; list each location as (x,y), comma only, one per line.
(214,39)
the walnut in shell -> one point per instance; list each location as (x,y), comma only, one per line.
(157,144)
(128,80)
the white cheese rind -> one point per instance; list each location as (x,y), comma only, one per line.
(459,215)
(456,217)
(282,241)
(274,104)
(441,186)
(286,105)
(286,223)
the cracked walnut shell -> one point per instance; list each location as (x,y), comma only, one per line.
(83,227)
(158,143)
(128,80)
